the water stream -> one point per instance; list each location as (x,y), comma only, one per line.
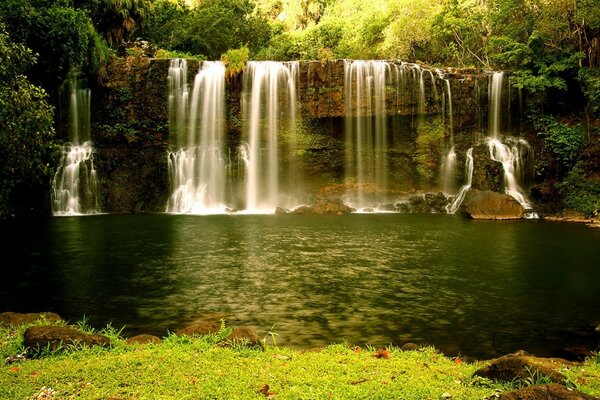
(74,189)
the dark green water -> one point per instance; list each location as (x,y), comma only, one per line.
(378,279)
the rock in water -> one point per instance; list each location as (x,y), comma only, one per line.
(491,205)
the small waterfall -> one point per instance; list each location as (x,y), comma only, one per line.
(460,196)
(197,168)
(75,184)
(448,171)
(509,153)
(269,107)
(366,130)
(495,104)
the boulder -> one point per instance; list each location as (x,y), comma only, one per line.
(280,211)
(491,205)
(303,210)
(545,392)
(410,346)
(521,365)
(437,202)
(144,339)
(12,319)
(246,335)
(199,328)
(54,337)
(331,207)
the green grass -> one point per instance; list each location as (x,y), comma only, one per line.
(210,368)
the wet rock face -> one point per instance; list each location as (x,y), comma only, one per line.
(491,205)
(130,132)
(55,337)
(487,173)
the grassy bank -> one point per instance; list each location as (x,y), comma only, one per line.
(210,368)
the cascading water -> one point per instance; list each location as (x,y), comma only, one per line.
(197,168)
(508,151)
(269,107)
(75,184)
(448,168)
(366,139)
(460,196)
(448,171)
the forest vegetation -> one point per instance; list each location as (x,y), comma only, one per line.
(552,49)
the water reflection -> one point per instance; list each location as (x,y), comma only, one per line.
(465,286)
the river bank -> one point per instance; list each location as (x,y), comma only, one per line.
(215,365)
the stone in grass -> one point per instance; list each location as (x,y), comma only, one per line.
(55,337)
(12,319)
(144,339)
(199,329)
(244,335)
(410,346)
(239,334)
(545,392)
(522,365)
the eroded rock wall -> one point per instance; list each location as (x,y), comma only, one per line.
(130,128)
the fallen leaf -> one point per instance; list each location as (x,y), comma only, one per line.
(382,353)
(14,369)
(267,392)
(458,360)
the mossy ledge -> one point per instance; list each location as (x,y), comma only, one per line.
(213,366)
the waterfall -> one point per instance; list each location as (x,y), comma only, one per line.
(460,196)
(74,188)
(512,163)
(509,151)
(197,168)
(448,167)
(269,107)
(366,130)
(448,171)
(495,104)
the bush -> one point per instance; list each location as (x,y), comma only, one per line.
(580,192)
(562,141)
(26,148)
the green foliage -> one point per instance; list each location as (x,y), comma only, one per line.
(590,82)
(429,151)
(58,33)
(563,141)
(168,54)
(117,19)
(27,152)
(211,29)
(535,377)
(460,31)
(580,192)
(235,61)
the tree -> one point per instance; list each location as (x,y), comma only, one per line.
(59,34)
(26,133)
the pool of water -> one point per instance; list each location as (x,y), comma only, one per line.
(472,287)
